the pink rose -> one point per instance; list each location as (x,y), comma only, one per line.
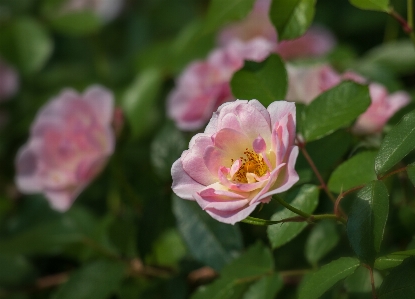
(316,42)
(306,83)
(383,107)
(204,85)
(70,142)
(245,155)
(256,24)
(9,81)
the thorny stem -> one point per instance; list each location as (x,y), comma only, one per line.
(372,281)
(392,173)
(301,145)
(291,208)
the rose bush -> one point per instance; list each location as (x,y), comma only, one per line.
(245,155)
(70,142)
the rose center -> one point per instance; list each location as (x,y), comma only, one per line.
(251,163)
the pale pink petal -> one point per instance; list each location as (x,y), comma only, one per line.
(27,178)
(102,103)
(60,200)
(259,145)
(183,185)
(277,110)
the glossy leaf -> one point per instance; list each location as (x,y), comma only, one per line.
(239,274)
(367,220)
(139,101)
(334,109)
(26,43)
(400,283)
(380,5)
(265,288)
(221,12)
(265,81)
(356,171)
(97,280)
(392,260)
(291,18)
(323,238)
(209,241)
(323,279)
(396,144)
(305,199)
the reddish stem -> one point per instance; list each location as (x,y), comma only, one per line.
(372,281)
(404,24)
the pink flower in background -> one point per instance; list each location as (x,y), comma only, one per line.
(383,107)
(106,9)
(9,81)
(245,155)
(256,24)
(70,142)
(205,85)
(305,83)
(316,42)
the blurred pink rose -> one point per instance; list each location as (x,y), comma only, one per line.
(9,81)
(204,85)
(70,142)
(256,24)
(305,83)
(245,155)
(316,42)
(106,9)
(383,107)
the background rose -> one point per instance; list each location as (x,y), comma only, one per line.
(234,165)
(70,142)
(383,107)
(106,9)
(9,81)
(205,85)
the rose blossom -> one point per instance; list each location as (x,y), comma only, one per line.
(9,81)
(316,42)
(306,83)
(205,85)
(383,107)
(245,155)
(70,142)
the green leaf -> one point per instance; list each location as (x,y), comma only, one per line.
(356,171)
(210,241)
(380,5)
(265,81)
(367,220)
(319,282)
(139,101)
(323,238)
(396,56)
(97,280)
(400,283)
(43,238)
(15,270)
(265,288)
(221,12)
(166,148)
(334,109)
(291,18)
(236,277)
(396,144)
(392,260)
(410,169)
(26,44)
(305,199)
(76,23)
(359,281)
